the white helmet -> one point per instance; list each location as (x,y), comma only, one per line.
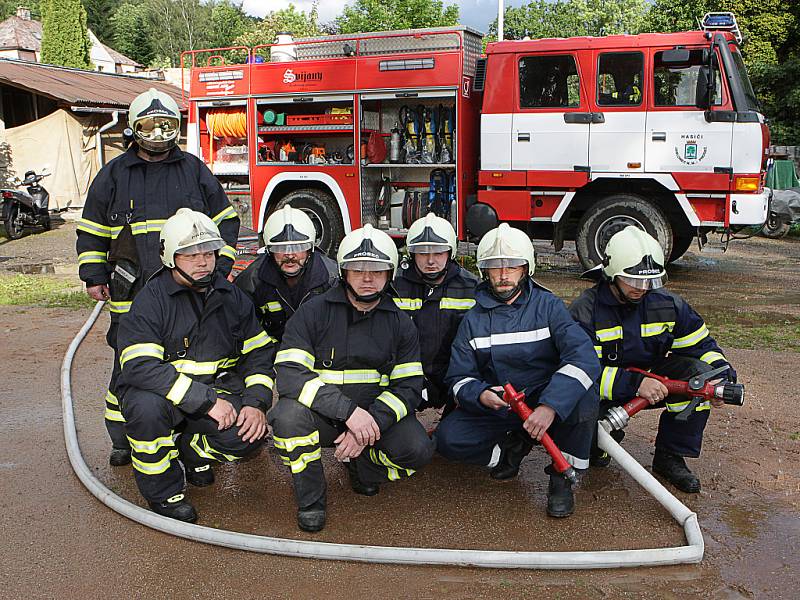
(155,119)
(367,249)
(505,246)
(289,230)
(636,257)
(431,234)
(188,232)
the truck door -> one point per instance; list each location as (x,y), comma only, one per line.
(550,128)
(618,127)
(679,139)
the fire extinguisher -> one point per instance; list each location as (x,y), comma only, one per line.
(395,144)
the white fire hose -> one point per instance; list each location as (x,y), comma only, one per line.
(602,559)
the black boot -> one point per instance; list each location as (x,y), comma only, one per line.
(560,499)
(119,457)
(359,487)
(673,468)
(312,518)
(600,458)
(516,447)
(175,508)
(200,476)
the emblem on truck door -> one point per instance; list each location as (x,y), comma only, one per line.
(692,151)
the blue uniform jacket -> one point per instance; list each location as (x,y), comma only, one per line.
(534,344)
(640,335)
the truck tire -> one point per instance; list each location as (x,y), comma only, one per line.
(612,214)
(680,244)
(323,210)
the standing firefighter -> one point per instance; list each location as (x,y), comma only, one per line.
(195,362)
(289,272)
(127,203)
(519,333)
(436,293)
(348,374)
(637,323)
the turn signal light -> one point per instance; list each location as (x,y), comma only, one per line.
(747,184)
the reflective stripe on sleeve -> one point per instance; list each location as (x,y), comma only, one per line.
(411,369)
(259,340)
(179,389)
(712,357)
(691,339)
(93,228)
(456,303)
(228,252)
(461,383)
(119,307)
(259,379)
(295,355)
(398,406)
(139,351)
(226,213)
(113,415)
(517,337)
(578,374)
(88,258)
(607,382)
(309,391)
(289,444)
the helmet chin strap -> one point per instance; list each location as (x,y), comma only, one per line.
(369,297)
(625,299)
(504,296)
(200,284)
(302,269)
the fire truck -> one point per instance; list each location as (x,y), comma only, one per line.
(567,139)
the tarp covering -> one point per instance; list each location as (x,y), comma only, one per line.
(63,144)
(786,204)
(782,175)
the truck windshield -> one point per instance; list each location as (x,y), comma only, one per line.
(750,95)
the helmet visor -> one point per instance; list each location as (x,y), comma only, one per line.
(499,263)
(652,283)
(209,246)
(156,128)
(366,265)
(289,248)
(428,248)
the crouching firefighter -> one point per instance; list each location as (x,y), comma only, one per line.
(196,369)
(436,293)
(635,322)
(519,333)
(349,375)
(127,203)
(289,272)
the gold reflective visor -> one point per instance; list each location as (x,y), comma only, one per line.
(157,127)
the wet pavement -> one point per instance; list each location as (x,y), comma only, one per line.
(61,542)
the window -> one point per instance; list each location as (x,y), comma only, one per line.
(677,85)
(619,79)
(548,82)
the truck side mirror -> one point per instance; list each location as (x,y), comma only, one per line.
(704,90)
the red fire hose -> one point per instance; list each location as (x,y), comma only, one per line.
(516,400)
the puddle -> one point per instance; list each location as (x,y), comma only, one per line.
(32,268)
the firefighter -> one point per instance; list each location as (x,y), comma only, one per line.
(289,272)
(435,292)
(195,362)
(519,332)
(349,375)
(127,203)
(635,322)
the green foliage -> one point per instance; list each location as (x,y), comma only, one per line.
(384,15)
(299,23)
(98,18)
(778,88)
(228,23)
(38,290)
(9,8)
(65,41)
(131,36)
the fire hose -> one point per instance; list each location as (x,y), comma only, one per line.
(698,389)
(599,559)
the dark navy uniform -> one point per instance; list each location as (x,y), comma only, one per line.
(132,191)
(437,311)
(275,301)
(661,333)
(180,350)
(535,345)
(334,358)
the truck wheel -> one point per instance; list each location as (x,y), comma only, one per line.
(323,211)
(613,214)
(680,244)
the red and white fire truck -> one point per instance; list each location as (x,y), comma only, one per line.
(565,138)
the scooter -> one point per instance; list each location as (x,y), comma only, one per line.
(26,208)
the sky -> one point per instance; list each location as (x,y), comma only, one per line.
(474,13)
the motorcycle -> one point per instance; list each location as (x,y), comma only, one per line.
(25,208)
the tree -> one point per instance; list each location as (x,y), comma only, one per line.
(385,15)
(8,8)
(177,25)
(228,23)
(98,18)
(64,38)
(131,33)
(299,23)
